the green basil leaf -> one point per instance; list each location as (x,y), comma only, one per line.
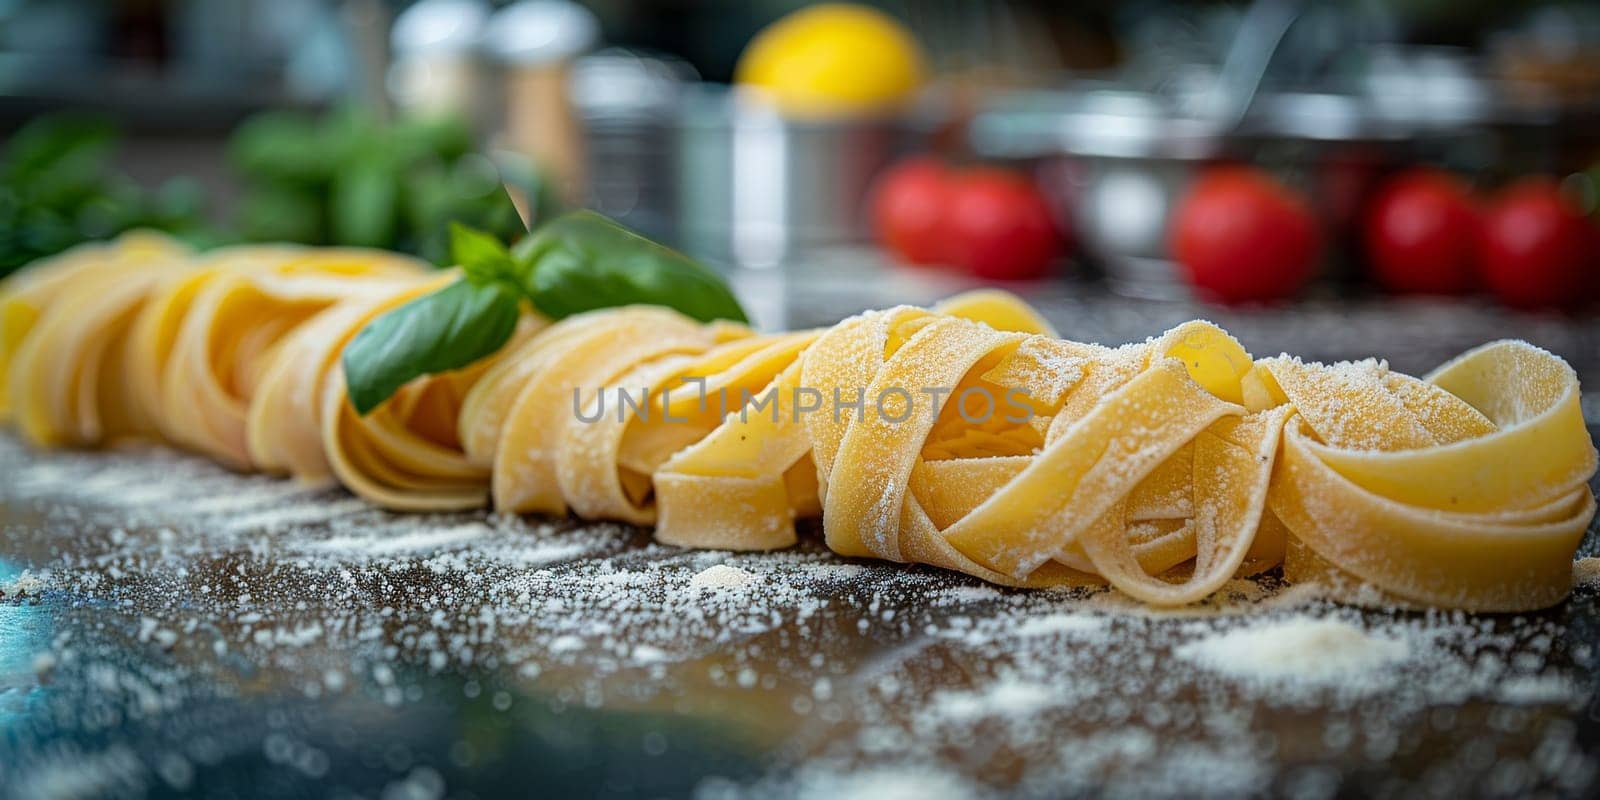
(447,329)
(480,255)
(583,261)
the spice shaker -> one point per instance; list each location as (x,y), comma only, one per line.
(535,42)
(436,70)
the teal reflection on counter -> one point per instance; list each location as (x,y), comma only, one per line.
(26,629)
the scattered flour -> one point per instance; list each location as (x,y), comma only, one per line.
(567,644)
(1586,572)
(75,775)
(1007,698)
(1537,689)
(317,510)
(450,538)
(1302,649)
(23,586)
(885,783)
(721,576)
(1065,623)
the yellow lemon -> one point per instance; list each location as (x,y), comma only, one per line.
(833,59)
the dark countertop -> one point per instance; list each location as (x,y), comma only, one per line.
(200,632)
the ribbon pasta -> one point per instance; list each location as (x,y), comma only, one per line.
(967,436)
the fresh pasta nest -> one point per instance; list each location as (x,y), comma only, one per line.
(966,437)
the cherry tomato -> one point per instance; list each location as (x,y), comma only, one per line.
(908,205)
(1241,236)
(999,227)
(1421,234)
(1538,249)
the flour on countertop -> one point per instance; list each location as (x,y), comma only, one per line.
(1300,650)
(720,576)
(1586,572)
(23,586)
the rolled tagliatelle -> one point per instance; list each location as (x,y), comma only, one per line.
(1466,490)
(968,436)
(210,337)
(61,380)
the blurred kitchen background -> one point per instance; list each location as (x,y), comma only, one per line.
(1336,179)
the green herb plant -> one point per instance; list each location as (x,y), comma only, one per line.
(347,178)
(578,262)
(59,187)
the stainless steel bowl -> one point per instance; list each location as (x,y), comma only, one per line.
(628,101)
(755,188)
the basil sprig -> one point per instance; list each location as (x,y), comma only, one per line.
(578,262)
(583,261)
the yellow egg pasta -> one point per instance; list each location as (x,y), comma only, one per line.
(968,436)
(61,381)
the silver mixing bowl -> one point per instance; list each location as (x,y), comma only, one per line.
(755,188)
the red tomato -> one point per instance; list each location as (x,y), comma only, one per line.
(1538,249)
(1422,234)
(1241,236)
(908,209)
(999,227)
